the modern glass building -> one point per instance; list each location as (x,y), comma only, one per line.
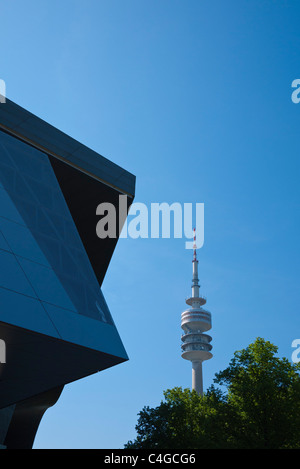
(54,320)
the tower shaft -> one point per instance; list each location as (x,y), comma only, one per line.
(197,377)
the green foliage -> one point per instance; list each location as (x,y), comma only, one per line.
(264,393)
(259,409)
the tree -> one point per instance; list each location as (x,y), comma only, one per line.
(264,393)
(183,421)
(259,409)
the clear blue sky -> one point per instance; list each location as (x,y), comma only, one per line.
(194,98)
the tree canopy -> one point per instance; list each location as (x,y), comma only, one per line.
(259,408)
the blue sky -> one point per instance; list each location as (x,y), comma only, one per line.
(194,98)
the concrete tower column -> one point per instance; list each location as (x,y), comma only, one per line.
(197,378)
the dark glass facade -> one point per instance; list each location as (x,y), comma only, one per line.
(41,253)
(54,319)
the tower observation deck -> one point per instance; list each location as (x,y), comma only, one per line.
(195,321)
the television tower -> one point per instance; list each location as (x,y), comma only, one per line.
(194,322)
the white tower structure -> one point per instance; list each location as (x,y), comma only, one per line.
(194,322)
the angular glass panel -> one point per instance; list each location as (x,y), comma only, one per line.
(46,284)
(15,308)
(7,207)
(21,241)
(12,276)
(33,198)
(3,243)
